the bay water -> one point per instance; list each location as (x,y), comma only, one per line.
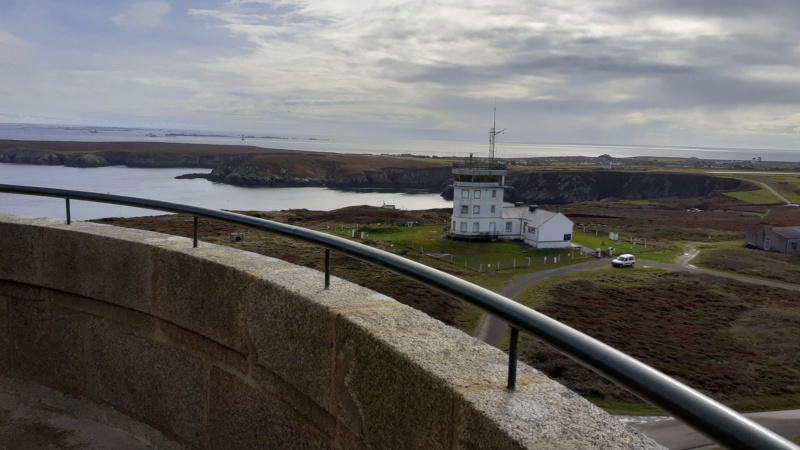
(160,184)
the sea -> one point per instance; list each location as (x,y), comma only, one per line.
(161,184)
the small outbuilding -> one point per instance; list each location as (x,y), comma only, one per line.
(775,239)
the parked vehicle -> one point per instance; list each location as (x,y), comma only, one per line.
(624,260)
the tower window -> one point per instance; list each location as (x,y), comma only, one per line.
(476,209)
(492,208)
(476,226)
(494,193)
(464,209)
(508,226)
(477,194)
(465,194)
(464,227)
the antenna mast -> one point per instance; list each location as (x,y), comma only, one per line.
(493,133)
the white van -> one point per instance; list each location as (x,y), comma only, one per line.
(626,260)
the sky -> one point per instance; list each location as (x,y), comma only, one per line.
(716,73)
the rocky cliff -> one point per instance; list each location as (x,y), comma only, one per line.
(572,187)
(256,167)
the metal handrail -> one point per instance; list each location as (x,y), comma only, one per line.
(705,415)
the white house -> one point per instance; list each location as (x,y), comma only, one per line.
(537,227)
(479,212)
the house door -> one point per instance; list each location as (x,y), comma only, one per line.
(491,228)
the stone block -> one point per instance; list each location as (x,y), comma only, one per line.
(202,290)
(243,416)
(191,341)
(161,385)
(22,251)
(133,320)
(11,293)
(310,410)
(21,292)
(291,319)
(397,372)
(99,262)
(540,415)
(45,347)
(3,335)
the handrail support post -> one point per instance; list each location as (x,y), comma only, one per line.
(69,215)
(194,244)
(512,360)
(327,269)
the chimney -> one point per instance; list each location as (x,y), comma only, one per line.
(518,204)
(532,207)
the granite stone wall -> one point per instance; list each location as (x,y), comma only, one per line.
(220,348)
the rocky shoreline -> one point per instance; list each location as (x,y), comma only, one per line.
(259,167)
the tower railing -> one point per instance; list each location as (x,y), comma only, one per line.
(705,415)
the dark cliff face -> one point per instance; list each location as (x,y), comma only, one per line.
(434,178)
(574,187)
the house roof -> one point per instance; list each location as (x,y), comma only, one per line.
(536,218)
(787,232)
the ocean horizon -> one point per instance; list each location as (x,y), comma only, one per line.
(363,145)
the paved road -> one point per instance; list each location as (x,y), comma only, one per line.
(783,199)
(667,431)
(674,434)
(491,329)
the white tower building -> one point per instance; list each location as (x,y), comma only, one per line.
(479,214)
(478,187)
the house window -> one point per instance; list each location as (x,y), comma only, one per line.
(476,226)
(494,193)
(465,194)
(508,226)
(531,230)
(464,227)
(477,194)
(464,209)
(568,237)
(492,208)
(476,209)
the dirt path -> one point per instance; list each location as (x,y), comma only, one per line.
(690,251)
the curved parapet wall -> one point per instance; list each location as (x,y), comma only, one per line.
(220,348)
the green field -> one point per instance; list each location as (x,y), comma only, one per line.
(480,257)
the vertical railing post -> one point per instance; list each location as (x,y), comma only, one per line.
(194,245)
(69,214)
(327,269)
(512,360)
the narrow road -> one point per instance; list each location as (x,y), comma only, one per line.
(782,198)
(667,431)
(674,435)
(491,329)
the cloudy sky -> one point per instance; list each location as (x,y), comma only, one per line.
(665,72)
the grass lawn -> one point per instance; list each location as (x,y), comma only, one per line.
(480,257)
(755,197)
(787,185)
